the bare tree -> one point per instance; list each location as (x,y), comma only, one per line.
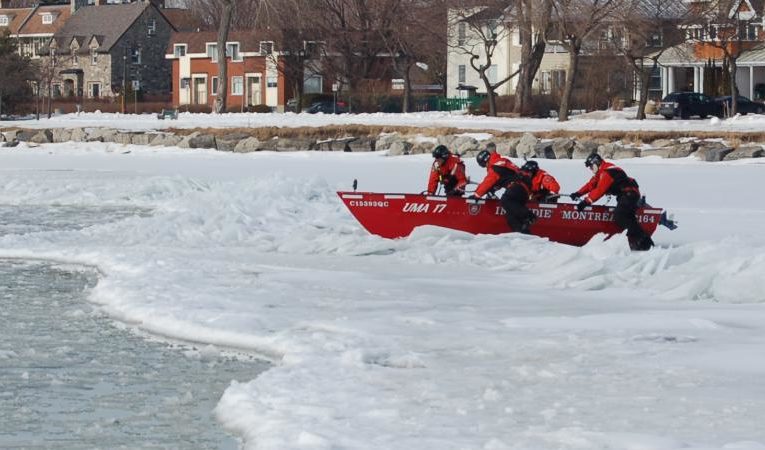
(476,33)
(731,28)
(221,98)
(574,22)
(533,19)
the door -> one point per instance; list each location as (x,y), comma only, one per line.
(253,91)
(200,91)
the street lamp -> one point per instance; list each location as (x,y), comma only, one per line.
(124,76)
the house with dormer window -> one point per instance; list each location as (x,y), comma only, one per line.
(725,31)
(252,61)
(105,49)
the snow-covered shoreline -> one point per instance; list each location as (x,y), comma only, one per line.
(438,341)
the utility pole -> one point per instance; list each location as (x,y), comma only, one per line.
(124,76)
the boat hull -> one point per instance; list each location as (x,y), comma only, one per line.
(397,215)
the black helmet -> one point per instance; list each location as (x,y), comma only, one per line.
(440,152)
(531,167)
(593,159)
(482,158)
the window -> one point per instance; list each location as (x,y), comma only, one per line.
(461,33)
(75,58)
(271,82)
(656,40)
(311,49)
(94,90)
(491,74)
(47,19)
(212,52)
(214,85)
(237,85)
(4,21)
(462,73)
(152,27)
(552,81)
(179,50)
(93,58)
(56,90)
(312,84)
(266,47)
(232,51)
(135,55)
(185,82)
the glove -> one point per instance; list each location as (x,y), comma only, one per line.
(473,197)
(574,195)
(581,205)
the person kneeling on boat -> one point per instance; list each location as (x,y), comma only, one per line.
(544,187)
(612,180)
(502,173)
(448,170)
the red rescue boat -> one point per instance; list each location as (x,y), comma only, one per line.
(397,215)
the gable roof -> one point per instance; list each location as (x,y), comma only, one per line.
(108,22)
(182,19)
(196,42)
(17,18)
(35,25)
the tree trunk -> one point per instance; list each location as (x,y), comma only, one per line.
(406,105)
(733,86)
(490,95)
(223,29)
(573,63)
(521,87)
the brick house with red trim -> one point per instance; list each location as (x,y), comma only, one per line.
(253,68)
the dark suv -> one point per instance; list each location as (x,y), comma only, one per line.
(328,107)
(687,104)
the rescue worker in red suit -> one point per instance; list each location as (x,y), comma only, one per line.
(449,170)
(502,173)
(608,179)
(544,187)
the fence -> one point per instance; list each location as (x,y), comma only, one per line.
(446,104)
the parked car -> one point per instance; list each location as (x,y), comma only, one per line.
(745,106)
(327,107)
(687,104)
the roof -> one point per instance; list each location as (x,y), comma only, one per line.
(17,18)
(35,25)
(183,19)
(755,55)
(108,22)
(679,55)
(249,41)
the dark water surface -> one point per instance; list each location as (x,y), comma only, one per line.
(72,378)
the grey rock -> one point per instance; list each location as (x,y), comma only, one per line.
(563,148)
(61,135)
(42,137)
(325,145)
(627,152)
(250,144)
(11,143)
(295,144)
(447,140)
(165,140)
(2,137)
(384,141)
(663,152)
(25,135)
(583,149)
(400,148)
(712,154)
(11,135)
(78,135)
(101,134)
(663,143)
(747,151)
(608,150)
(362,144)
(227,143)
(526,147)
(122,138)
(420,148)
(544,150)
(683,150)
(141,138)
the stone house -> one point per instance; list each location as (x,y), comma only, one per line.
(106,49)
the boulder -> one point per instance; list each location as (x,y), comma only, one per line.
(227,143)
(362,144)
(42,137)
(662,152)
(2,137)
(400,148)
(712,154)
(295,144)
(385,140)
(101,135)
(627,152)
(202,141)
(447,140)
(184,143)
(324,145)
(122,138)
(544,150)
(25,135)
(141,138)
(11,135)
(465,144)
(608,150)
(663,143)
(563,148)
(78,135)
(61,135)
(683,150)
(583,149)
(247,145)
(422,147)
(526,147)
(747,151)
(165,140)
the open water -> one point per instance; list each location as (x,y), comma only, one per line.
(72,378)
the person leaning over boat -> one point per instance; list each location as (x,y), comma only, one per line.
(612,180)
(544,187)
(502,173)
(448,170)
